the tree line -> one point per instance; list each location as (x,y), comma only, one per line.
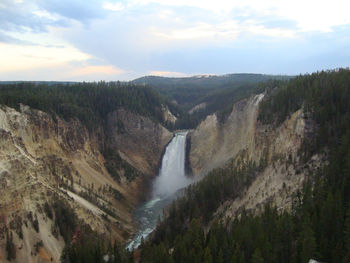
(88,102)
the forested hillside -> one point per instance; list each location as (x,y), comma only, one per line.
(89,102)
(317,226)
(189,91)
(216,93)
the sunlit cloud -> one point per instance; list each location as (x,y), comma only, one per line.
(64,71)
(103,70)
(20,57)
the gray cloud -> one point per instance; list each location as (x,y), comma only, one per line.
(15,17)
(80,10)
(22,17)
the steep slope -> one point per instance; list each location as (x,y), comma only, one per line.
(241,139)
(138,139)
(43,160)
(213,142)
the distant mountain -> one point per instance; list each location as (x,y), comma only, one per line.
(191,91)
(205,94)
(207,81)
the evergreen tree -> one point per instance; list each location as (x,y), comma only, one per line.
(207,257)
(257,257)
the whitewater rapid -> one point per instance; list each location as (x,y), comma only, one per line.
(171,178)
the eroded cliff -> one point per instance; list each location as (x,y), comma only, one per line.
(240,139)
(139,140)
(44,159)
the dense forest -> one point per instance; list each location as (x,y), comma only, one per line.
(191,91)
(318,226)
(89,102)
(217,93)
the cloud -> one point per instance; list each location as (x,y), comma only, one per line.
(5,38)
(15,17)
(80,10)
(97,70)
(65,71)
(167,37)
(24,16)
(312,15)
(113,6)
(28,57)
(226,30)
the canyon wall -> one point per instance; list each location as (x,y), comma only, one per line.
(240,139)
(139,140)
(43,159)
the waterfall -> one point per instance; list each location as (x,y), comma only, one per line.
(171,178)
(172,172)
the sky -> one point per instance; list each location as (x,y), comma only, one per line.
(92,40)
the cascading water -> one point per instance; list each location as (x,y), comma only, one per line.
(172,173)
(171,178)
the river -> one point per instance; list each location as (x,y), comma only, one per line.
(171,178)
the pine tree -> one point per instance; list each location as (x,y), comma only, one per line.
(347,230)
(10,247)
(207,257)
(257,257)
(307,242)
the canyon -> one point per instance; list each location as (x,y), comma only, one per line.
(45,158)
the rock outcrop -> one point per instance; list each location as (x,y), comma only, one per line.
(138,139)
(42,159)
(214,142)
(168,116)
(241,139)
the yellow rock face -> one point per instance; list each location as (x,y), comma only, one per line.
(40,157)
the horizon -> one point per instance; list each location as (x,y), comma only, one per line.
(160,76)
(111,40)
(177,77)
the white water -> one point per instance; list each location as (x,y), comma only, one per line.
(171,178)
(172,172)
